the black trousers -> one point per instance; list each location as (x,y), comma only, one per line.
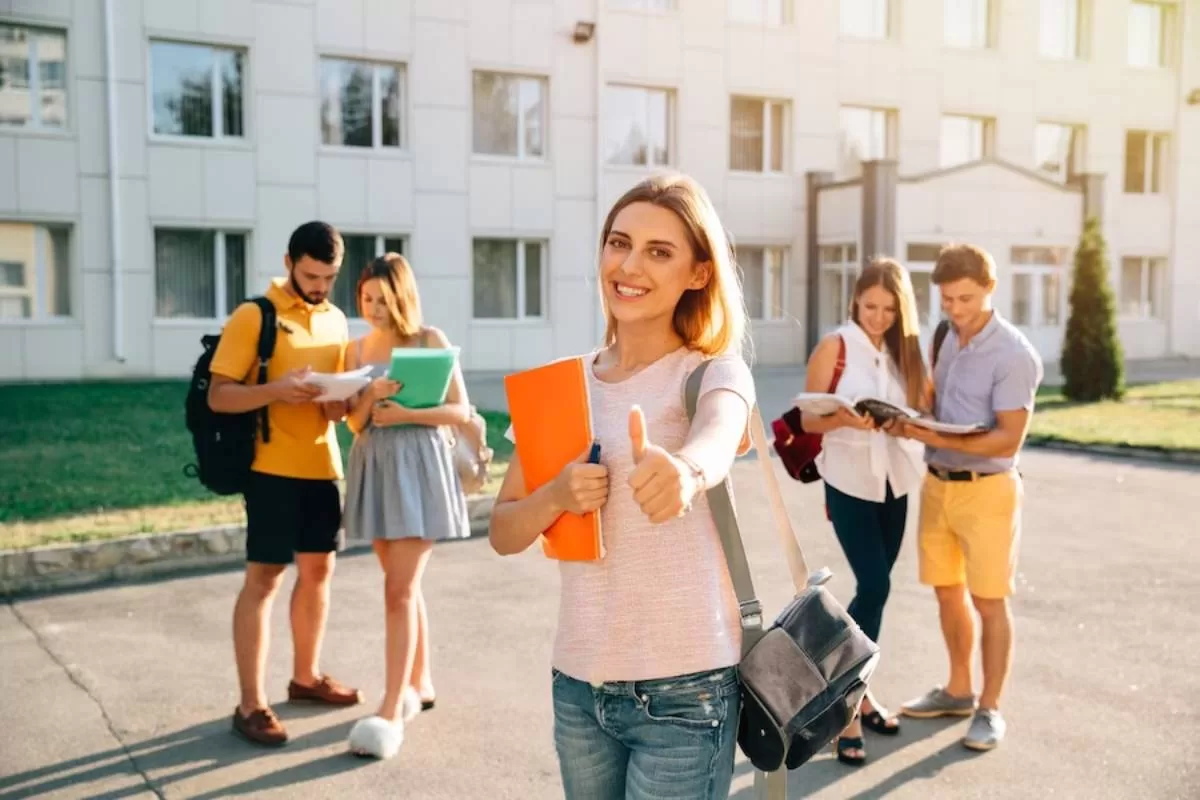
(871,534)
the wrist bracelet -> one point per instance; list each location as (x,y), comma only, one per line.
(697,473)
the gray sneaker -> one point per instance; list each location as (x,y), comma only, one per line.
(986,731)
(937,702)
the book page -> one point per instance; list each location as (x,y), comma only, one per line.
(947,427)
(340,385)
(821,403)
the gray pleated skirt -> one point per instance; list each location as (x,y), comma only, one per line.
(401,484)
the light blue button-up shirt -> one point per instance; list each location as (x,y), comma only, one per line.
(998,370)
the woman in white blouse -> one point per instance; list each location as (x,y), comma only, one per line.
(869,474)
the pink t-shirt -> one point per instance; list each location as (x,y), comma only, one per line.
(660,603)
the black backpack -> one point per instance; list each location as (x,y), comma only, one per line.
(225,443)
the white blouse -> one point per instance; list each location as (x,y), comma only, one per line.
(862,463)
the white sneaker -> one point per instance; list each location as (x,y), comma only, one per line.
(375,737)
(987,730)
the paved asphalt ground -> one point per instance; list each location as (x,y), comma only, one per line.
(126,691)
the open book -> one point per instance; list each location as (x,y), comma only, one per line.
(824,404)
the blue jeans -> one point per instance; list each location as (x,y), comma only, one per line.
(651,740)
(871,534)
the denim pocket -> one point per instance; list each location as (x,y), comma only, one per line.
(699,706)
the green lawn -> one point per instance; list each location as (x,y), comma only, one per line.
(100,460)
(1161,416)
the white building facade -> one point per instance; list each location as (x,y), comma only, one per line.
(156,154)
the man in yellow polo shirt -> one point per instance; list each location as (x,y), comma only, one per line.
(293,508)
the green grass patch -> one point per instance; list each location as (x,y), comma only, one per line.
(1159,416)
(99,460)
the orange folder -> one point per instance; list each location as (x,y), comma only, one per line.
(552,424)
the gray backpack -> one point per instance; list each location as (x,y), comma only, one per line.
(804,677)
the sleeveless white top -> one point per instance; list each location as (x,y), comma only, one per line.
(862,463)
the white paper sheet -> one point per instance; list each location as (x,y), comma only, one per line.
(341,385)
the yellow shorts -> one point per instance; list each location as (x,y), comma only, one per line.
(969,533)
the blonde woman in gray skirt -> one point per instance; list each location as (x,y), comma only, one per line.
(402,491)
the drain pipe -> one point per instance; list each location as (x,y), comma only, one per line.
(114,191)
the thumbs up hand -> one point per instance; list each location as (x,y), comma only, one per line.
(663,485)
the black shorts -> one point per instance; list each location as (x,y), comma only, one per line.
(285,516)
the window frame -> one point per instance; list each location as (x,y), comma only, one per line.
(1146,302)
(377,146)
(765,120)
(220,282)
(1037,272)
(1080,49)
(37,292)
(1156,143)
(889,13)
(219,137)
(787,10)
(1168,9)
(891,135)
(543,82)
(784,252)
(990,20)
(34,86)
(847,269)
(987,138)
(521,318)
(1077,151)
(651,163)
(381,240)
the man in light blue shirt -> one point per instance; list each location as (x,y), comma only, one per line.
(985,371)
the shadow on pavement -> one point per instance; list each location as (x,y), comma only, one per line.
(186,754)
(825,770)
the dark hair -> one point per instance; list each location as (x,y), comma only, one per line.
(958,261)
(317,240)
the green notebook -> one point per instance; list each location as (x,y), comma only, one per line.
(424,374)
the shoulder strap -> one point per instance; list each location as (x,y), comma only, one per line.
(939,336)
(840,367)
(720,501)
(266,348)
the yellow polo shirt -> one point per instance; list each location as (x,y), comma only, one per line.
(303,443)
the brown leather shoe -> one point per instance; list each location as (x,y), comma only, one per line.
(261,727)
(326,691)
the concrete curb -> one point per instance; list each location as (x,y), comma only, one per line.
(61,567)
(1185,457)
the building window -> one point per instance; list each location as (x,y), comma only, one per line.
(865,19)
(1142,284)
(1059,150)
(197,90)
(33,77)
(361,250)
(1037,285)
(509,279)
(1150,28)
(1145,162)
(757,134)
(1060,33)
(839,270)
(764,281)
(866,134)
(638,126)
(967,23)
(642,5)
(769,12)
(361,103)
(35,271)
(966,139)
(510,115)
(198,274)
(921,258)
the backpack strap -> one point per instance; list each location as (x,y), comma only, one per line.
(840,367)
(266,348)
(939,336)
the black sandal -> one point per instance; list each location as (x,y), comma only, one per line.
(845,743)
(879,724)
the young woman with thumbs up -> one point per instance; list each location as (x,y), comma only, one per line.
(644,679)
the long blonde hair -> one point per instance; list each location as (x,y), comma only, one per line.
(398,286)
(903,338)
(711,319)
